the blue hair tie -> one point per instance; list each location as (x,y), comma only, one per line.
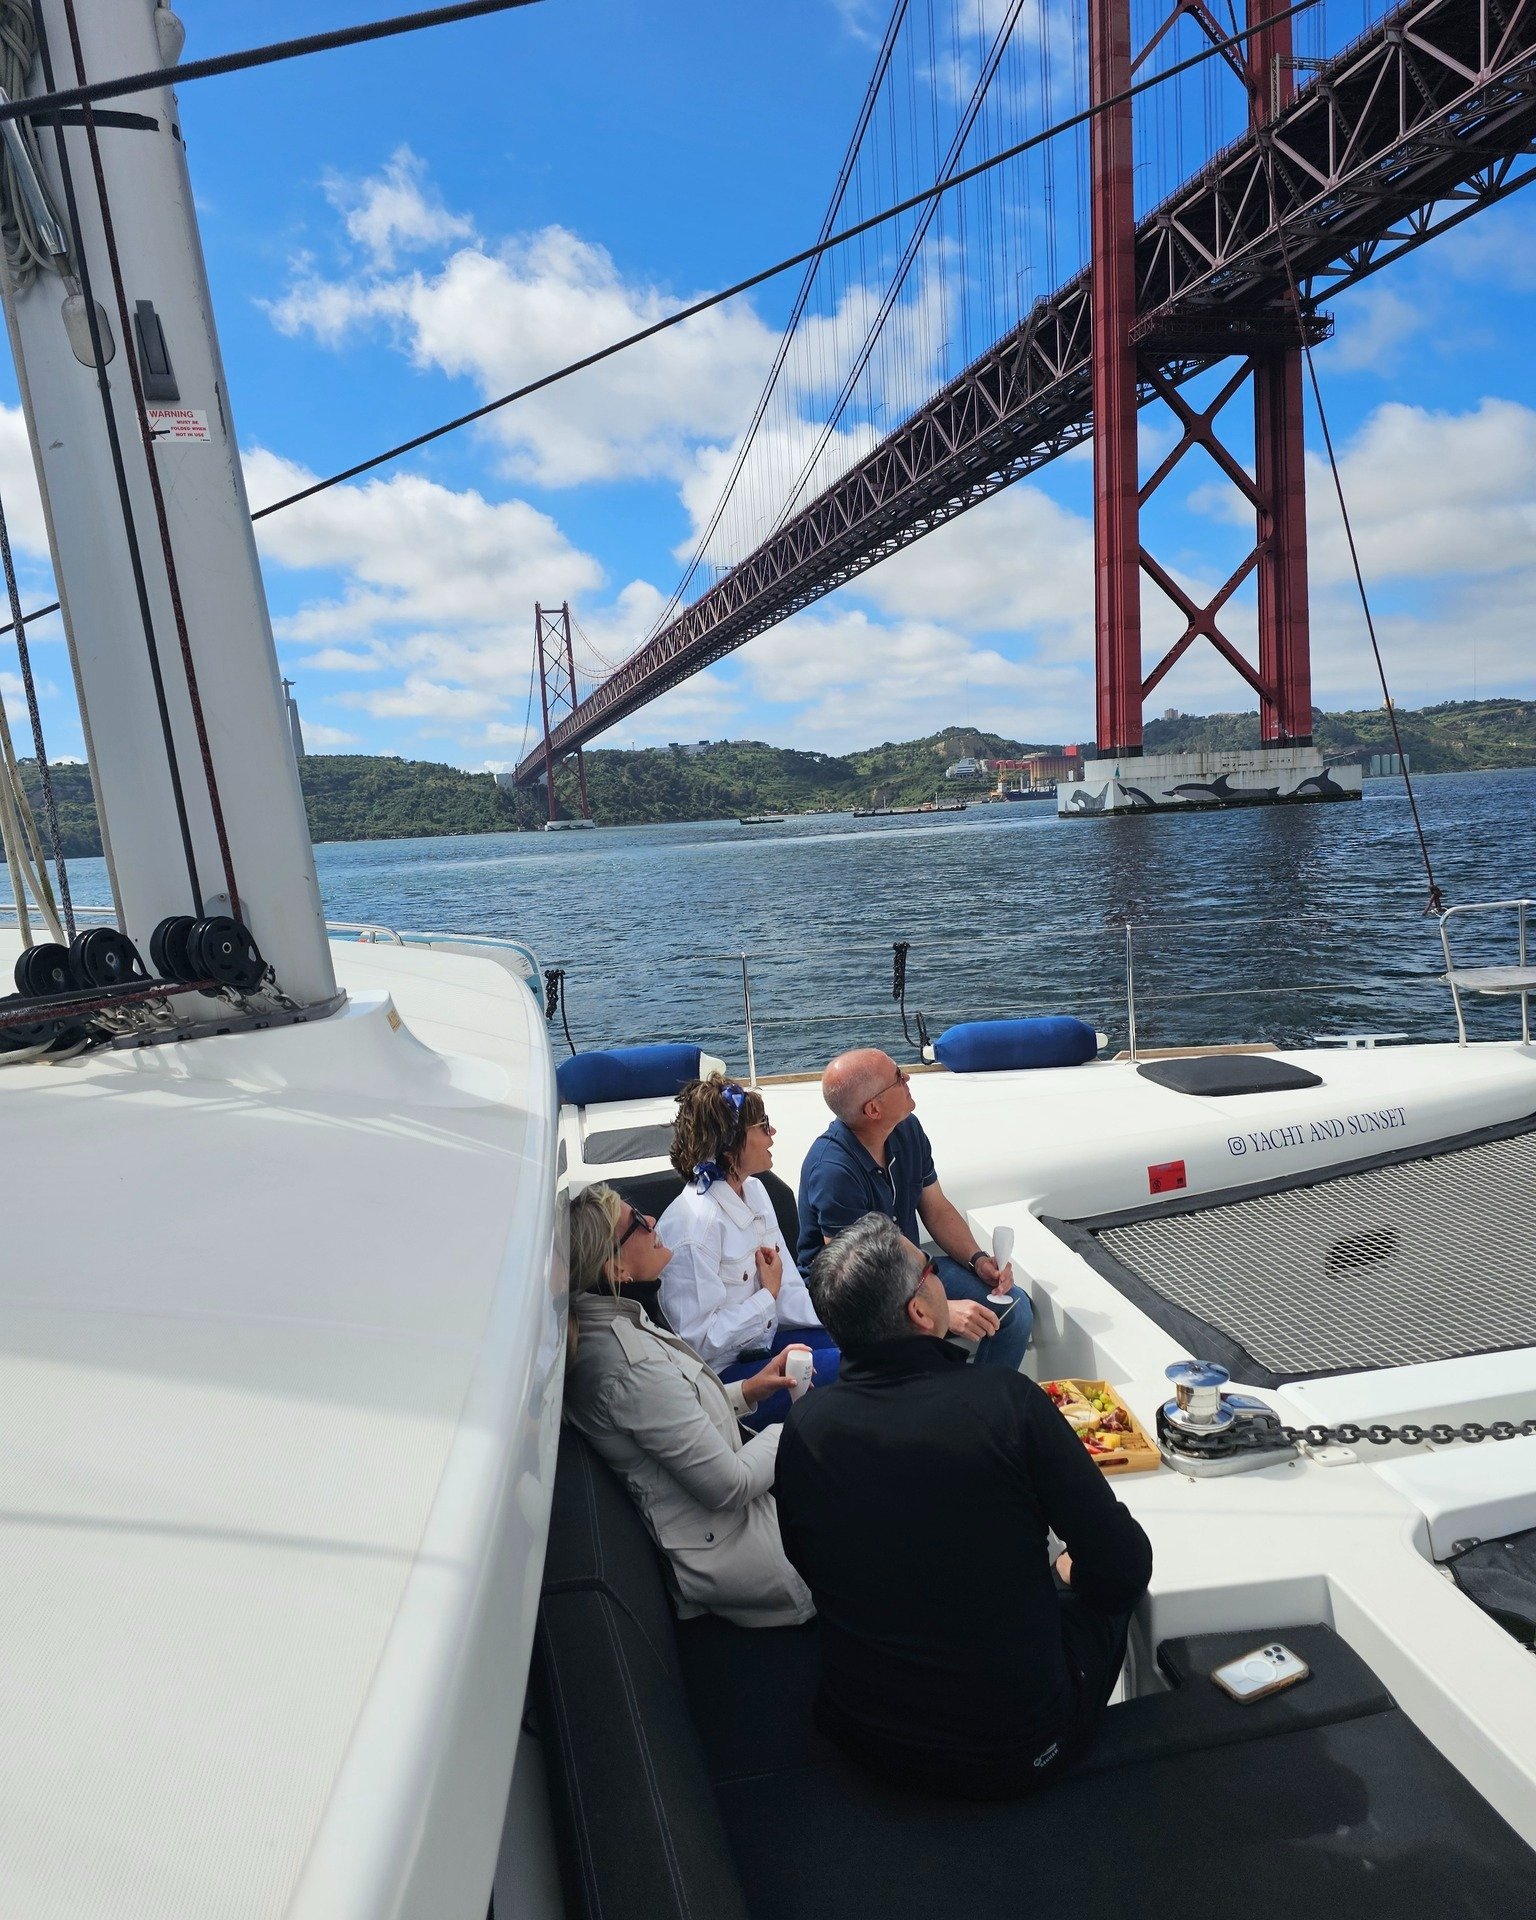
(705,1174)
(733,1096)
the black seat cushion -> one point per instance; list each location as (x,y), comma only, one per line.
(1362,1818)
(1217,1074)
(597,1541)
(637,1830)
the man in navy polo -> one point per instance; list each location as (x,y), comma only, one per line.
(875,1158)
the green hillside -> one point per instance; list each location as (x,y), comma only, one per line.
(375,797)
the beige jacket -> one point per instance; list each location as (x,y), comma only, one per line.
(668,1427)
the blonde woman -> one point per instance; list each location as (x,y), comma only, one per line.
(732,1288)
(670,1428)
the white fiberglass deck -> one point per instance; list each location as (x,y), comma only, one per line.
(1348,1537)
(276,1427)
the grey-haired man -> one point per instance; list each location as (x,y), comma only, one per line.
(915,1498)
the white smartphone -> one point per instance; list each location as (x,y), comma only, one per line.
(1258,1674)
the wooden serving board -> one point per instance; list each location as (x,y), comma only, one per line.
(1140,1455)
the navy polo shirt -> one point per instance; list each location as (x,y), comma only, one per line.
(840,1182)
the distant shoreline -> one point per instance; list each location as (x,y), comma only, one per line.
(357,797)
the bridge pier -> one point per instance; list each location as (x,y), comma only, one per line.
(1269,343)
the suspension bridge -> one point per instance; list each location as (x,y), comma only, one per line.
(1208,205)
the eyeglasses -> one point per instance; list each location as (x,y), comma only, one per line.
(637,1222)
(902,1077)
(923,1273)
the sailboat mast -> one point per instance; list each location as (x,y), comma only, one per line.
(129,412)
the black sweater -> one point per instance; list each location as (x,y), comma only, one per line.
(914,1497)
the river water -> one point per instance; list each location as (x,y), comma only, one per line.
(1266,924)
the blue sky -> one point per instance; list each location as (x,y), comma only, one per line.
(395,233)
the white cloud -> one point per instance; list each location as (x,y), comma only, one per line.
(1430,494)
(413,553)
(500,318)
(18,488)
(1378,323)
(395,211)
(420,698)
(326,739)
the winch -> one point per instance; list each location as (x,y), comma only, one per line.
(1203,1431)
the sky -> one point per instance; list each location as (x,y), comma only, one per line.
(396,233)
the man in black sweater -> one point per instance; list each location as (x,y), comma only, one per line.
(914,1499)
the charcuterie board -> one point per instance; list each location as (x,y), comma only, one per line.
(1111,1434)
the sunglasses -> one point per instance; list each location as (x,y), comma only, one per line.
(638,1222)
(923,1273)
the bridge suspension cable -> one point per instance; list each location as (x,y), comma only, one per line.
(1081,118)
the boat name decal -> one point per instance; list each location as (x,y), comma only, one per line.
(1305,1133)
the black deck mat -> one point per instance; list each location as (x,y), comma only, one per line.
(1427,1254)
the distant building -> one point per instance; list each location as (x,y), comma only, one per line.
(1383,766)
(1171,713)
(967,769)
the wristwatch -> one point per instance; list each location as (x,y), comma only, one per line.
(979,1254)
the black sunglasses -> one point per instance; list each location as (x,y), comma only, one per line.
(637,1221)
(923,1273)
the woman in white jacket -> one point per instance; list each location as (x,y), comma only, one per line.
(670,1429)
(731,1288)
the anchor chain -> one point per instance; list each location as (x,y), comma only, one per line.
(1349,1433)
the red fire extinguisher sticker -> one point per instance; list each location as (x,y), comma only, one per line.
(1167,1178)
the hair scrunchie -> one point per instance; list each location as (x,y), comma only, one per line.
(705,1174)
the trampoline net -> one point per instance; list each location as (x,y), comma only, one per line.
(1387,1266)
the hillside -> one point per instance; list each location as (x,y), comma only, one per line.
(374,797)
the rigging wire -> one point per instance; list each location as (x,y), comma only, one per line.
(832,241)
(271,54)
(1436,900)
(94,316)
(168,554)
(29,686)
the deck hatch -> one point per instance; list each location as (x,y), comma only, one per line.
(1425,1254)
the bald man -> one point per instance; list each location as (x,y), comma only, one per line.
(875,1158)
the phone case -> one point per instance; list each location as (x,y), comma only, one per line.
(1254,1676)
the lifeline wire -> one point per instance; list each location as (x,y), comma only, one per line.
(1436,903)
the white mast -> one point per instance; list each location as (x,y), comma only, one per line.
(202,515)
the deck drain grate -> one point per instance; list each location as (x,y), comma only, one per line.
(1417,1256)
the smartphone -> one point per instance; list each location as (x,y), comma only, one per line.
(1258,1674)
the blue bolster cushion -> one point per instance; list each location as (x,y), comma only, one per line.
(988,1046)
(625,1073)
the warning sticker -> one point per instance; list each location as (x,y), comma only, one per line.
(178,423)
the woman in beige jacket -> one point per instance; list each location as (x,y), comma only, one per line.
(670,1430)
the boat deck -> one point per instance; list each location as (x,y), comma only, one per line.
(278,1397)
(1344,1537)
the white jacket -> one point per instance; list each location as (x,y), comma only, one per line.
(669,1428)
(710,1291)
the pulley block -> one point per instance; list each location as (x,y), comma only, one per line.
(36,1033)
(220,949)
(101,958)
(43,970)
(168,953)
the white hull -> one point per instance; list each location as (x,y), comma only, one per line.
(568,826)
